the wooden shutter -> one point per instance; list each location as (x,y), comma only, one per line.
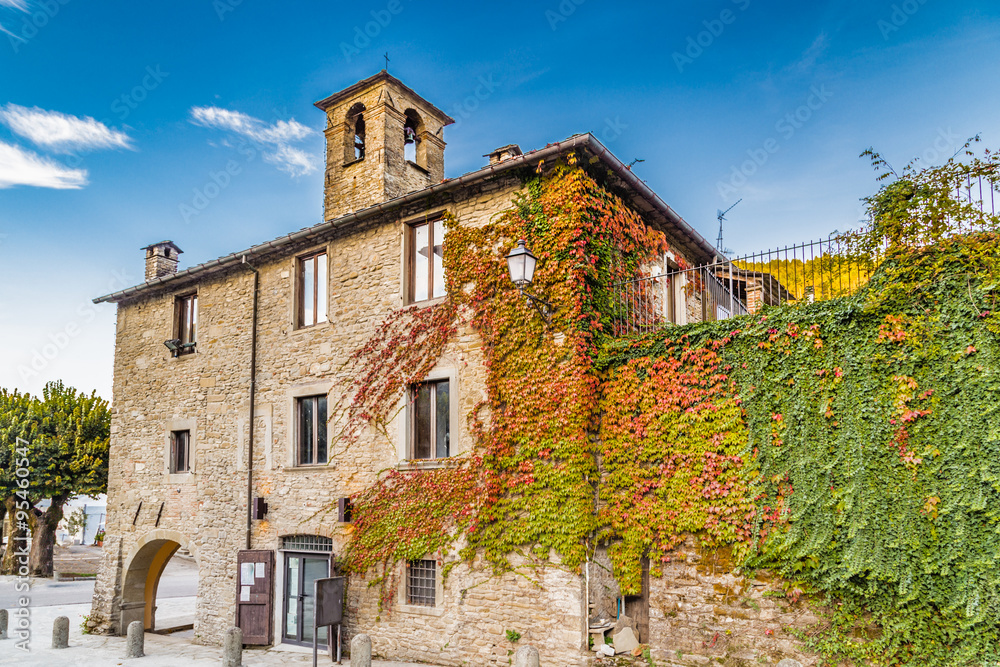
(255,596)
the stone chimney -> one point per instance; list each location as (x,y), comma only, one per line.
(504,153)
(161,259)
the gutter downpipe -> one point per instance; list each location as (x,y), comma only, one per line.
(253,395)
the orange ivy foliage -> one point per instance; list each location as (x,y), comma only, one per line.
(673,441)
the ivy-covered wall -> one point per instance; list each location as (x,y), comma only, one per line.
(851,445)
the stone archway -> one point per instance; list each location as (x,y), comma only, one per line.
(142,571)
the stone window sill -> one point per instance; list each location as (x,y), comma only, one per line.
(427,303)
(181,478)
(410,465)
(310,468)
(417,166)
(348,163)
(421,610)
(319,326)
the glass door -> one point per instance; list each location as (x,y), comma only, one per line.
(301,573)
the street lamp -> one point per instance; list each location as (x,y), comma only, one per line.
(521,265)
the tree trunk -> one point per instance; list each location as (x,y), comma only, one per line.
(3,517)
(43,538)
(16,540)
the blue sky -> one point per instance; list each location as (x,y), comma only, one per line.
(115,116)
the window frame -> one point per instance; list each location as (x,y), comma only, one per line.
(412,418)
(175,469)
(410,599)
(300,289)
(185,326)
(411,259)
(298,402)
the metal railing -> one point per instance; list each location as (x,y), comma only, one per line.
(805,272)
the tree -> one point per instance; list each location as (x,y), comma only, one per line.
(69,458)
(18,423)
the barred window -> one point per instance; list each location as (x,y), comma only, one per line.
(421,583)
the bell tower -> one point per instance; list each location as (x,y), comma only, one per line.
(382,141)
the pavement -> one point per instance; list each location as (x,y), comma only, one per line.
(175,604)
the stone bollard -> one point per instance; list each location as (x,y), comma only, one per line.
(526,656)
(3,624)
(361,651)
(232,648)
(135,641)
(60,633)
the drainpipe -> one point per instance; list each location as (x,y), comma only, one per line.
(253,394)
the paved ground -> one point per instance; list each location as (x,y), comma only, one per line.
(161,651)
(175,603)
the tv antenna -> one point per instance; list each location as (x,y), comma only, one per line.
(721,216)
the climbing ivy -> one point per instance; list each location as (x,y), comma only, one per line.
(868,445)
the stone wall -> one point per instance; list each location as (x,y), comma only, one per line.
(469,626)
(700,612)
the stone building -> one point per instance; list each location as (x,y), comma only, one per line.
(267,330)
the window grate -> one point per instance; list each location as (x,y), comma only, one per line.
(421,584)
(306,543)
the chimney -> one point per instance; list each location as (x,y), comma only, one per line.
(161,259)
(504,153)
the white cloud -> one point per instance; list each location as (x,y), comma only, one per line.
(15,4)
(61,132)
(292,160)
(21,167)
(288,159)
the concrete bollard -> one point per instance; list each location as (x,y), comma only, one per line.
(232,648)
(60,632)
(135,640)
(361,651)
(3,624)
(526,656)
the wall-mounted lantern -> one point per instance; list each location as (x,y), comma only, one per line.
(521,265)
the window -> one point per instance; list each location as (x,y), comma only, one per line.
(311,417)
(312,289)
(426,266)
(180,451)
(429,421)
(186,323)
(421,582)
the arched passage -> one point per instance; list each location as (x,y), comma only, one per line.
(142,576)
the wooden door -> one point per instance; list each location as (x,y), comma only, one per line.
(255,596)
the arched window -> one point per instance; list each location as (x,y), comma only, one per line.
(412,127)
(354,145)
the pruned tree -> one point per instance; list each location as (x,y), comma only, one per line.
(69,458)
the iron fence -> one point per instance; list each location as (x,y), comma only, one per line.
(806,272)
